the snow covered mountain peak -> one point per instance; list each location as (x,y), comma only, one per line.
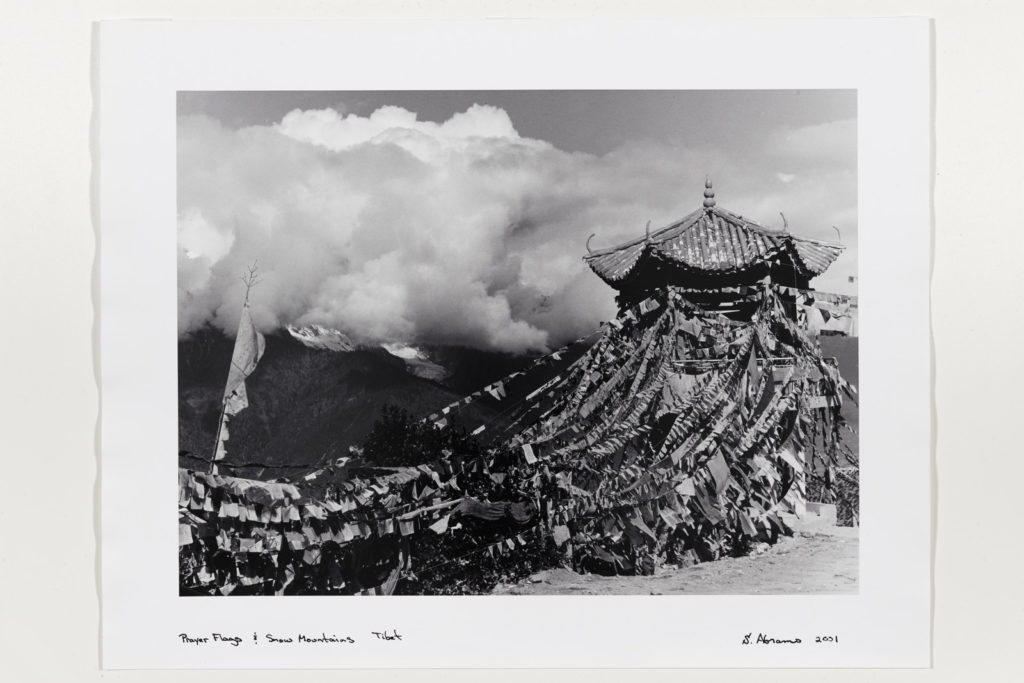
(320,337)
(417,361)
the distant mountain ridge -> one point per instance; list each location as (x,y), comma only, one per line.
(327,339)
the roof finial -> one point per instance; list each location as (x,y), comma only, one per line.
(709,194)
(647,232)
(589,250)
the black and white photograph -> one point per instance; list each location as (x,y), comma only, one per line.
(511,339)
(517,342)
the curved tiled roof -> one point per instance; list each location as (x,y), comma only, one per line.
(713,240)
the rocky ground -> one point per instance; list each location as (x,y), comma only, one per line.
(816,559)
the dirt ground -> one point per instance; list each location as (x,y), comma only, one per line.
(822,560)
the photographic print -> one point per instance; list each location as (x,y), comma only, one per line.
(517,342)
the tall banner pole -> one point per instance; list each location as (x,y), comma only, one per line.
(250,280)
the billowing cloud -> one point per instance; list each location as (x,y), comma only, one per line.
(393,229)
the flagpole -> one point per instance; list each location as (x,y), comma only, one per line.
(216,442)
(250,279)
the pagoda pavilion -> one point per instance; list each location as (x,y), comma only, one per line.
(707,252)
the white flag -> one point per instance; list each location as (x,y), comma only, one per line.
(440,526)
(249,346)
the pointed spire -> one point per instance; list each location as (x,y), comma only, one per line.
(709,194)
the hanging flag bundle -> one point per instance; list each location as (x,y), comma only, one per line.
(248,350)
(725,436)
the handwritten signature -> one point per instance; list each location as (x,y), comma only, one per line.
(765,639)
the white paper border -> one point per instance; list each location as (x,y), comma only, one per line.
(143,64)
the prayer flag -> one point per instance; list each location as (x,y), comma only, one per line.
(753,373)
(497,390)
(747,524)
(637,522)
(648,305)
(441,525)
(686,487)
(719,470)
(249,347)
(790,459)
(295,540)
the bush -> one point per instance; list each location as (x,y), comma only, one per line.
(397,439)
(458,563)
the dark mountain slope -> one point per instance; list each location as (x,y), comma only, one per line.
(306,406)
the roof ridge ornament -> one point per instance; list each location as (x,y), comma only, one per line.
(709,194)
(647,232)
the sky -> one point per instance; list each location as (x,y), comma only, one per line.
(462,217)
